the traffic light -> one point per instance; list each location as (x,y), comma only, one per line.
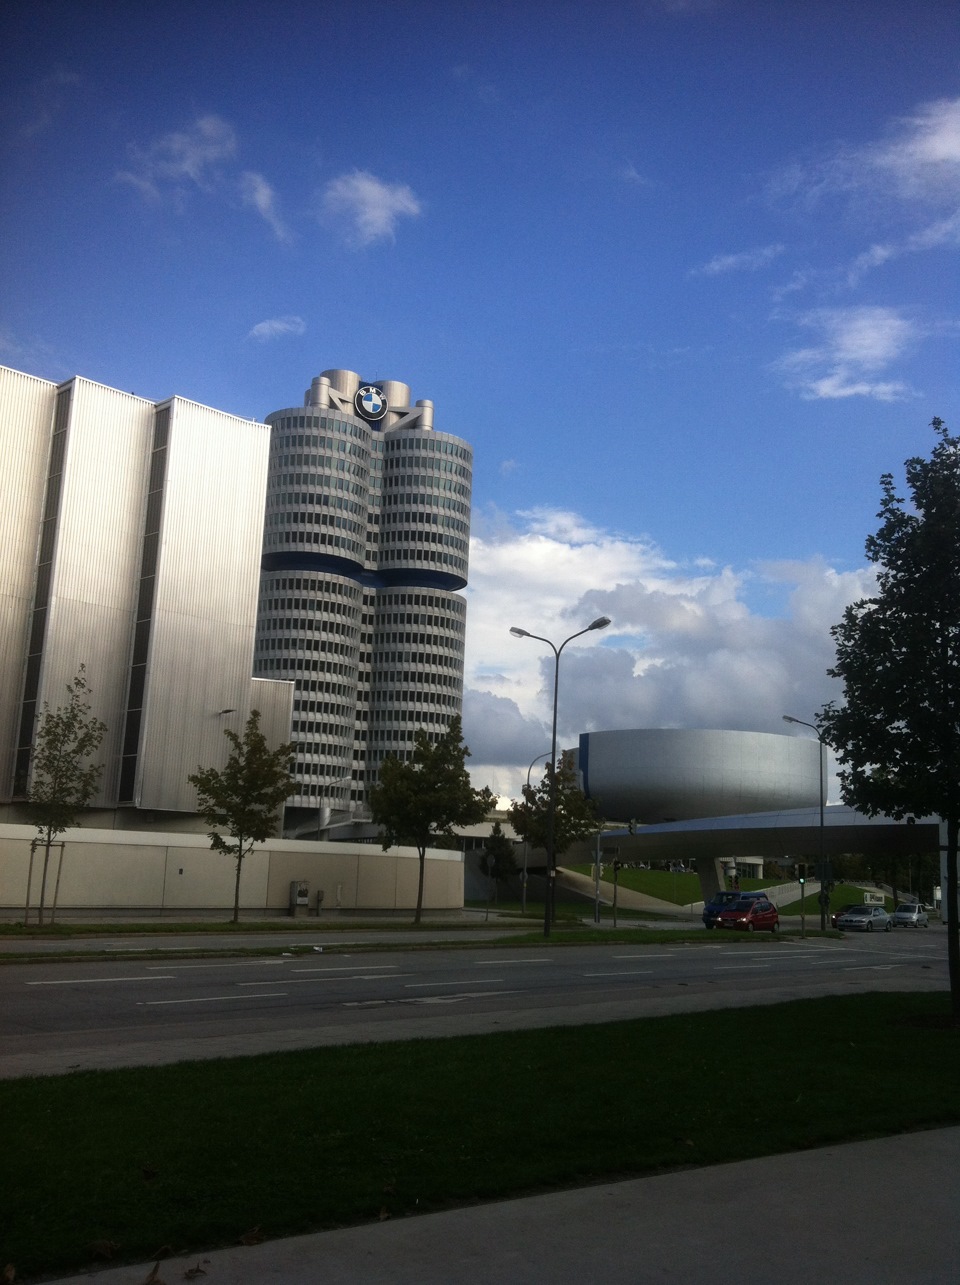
(801,872)
(632,826)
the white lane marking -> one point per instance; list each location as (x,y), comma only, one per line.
(349,968)
(410,986)
(243,963)
(455,999)
(672,955)
(505,963)
(102,981)
(870,968)
(729,968)
(306,981)
(624,972)
(206,999)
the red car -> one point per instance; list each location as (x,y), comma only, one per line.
(750,916)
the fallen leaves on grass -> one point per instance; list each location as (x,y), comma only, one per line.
(153,1277)
(9,1274)
(252,1237)
(192,1273)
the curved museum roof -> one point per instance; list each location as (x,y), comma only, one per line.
(677,774)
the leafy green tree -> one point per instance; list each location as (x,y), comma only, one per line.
(576,817)
(497,860)
(62,780)
(422,800)
(897,733)
(246,797)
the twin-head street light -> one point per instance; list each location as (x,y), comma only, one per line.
(600,623)
(787,718)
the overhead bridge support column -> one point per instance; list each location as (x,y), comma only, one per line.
(710,870)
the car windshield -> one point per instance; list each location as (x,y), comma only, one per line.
(742,906)
(859,910)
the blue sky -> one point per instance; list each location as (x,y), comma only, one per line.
(684,272)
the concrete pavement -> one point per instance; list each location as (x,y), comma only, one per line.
(882,1212)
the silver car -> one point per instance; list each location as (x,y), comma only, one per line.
(909,914)
(865,919)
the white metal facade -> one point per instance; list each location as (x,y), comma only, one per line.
(139,561)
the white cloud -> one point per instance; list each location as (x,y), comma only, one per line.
(195,155)
(939,233)
(257,192)
(923,154)
(630,174)
(744,261)
(918,162)
(684,648)
(276,326)
(856,345)
(366,208)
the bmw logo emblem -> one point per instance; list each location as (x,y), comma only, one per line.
(370,402)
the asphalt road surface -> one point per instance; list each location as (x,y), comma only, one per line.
(57,1016)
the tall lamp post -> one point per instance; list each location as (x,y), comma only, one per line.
(600,623)
(787,718)
(526,845)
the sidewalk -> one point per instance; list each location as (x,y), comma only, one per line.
(882,1211)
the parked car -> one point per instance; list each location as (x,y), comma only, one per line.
(851,905)
(720,901)
(864,919)
(910,914)
(750,914)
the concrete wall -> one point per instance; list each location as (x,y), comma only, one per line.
(116,870)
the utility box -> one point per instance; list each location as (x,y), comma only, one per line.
(299,897)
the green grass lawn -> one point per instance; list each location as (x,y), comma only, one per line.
(190,1157)
(680,889)
(844,894)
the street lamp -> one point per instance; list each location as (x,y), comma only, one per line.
(526,845)
(600,623)
(787,718)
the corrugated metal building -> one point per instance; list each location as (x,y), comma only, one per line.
(130,543)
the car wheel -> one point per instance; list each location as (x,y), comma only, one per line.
(887,926)
(775,928)
(750,928)
(870,928)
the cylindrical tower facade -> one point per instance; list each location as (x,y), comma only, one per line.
(366,543)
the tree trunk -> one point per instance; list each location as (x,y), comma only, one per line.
(953,919)
(423,861)
(236,888)
(48,839)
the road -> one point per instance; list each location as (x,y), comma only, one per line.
(71,1014)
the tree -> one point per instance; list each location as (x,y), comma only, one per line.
(421,800)
(62,781)
(497,862)
(245,798)
(576,817)
(897,733)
